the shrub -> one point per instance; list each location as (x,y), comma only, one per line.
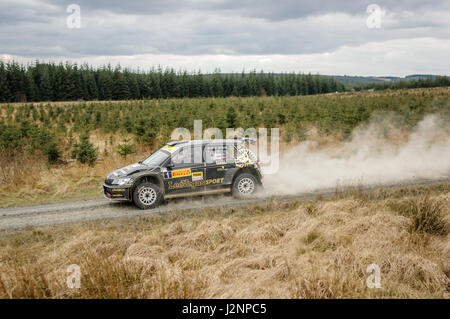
(10,138)
(427,215)
(84,151)
(126,148)
(52,152)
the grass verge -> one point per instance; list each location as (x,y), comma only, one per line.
(277,249)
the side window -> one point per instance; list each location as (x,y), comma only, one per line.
(182,157)
(219,154)
(186,156)
(197,155)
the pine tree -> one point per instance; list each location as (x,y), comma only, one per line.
(30,88)
(105,85)
(121,90)
(84,151)
(45,88)
(91,92)
(16,82)
(4,90)
(68,86)
(231,117)
(134,92)
(126,148)
(217,86)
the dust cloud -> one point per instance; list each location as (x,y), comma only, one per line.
(372,156)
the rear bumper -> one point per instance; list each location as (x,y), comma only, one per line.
(116,192)
(260,176)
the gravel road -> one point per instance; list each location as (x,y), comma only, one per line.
(69,212)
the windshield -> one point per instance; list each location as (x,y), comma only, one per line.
(156,158)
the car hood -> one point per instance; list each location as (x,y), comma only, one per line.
(130,170)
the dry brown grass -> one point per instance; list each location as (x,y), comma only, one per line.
(27,179)
(278,249)
(17,169)
(427,214)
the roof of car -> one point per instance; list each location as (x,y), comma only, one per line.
(202,142)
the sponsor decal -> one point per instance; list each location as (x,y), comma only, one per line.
(118,189)
(243,159)
(185,183)
(197,176)
(181,173)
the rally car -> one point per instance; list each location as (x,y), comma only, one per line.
(188,168)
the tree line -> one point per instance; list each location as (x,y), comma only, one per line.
(70,82)
(438,81)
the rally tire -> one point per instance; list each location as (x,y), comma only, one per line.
(245,185)
(147,195)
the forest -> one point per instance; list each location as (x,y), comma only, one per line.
(70,82)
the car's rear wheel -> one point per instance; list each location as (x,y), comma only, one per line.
(244,186)
(147,195)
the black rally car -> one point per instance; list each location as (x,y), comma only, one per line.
(188,168)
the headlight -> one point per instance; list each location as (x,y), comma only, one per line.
(122,181)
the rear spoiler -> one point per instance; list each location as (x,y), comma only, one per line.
(247,139)
(174,143)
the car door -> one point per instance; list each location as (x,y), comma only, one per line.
(218,158)
(183,174)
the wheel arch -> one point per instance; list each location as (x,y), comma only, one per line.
(229,178)
(152,178)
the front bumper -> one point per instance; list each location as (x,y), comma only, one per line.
(117,192)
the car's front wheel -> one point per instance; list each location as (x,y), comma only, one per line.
(147,195)
(244,186)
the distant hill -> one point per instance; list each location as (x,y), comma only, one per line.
(347,79)
(355,79)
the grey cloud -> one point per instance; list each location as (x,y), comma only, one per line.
(210,27)
(267,9)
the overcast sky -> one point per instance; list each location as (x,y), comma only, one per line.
(327,37)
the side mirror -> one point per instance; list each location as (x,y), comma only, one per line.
(169,165)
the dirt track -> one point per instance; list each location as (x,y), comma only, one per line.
(41,215)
